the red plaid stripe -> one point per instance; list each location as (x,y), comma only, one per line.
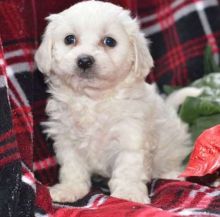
(44,164)
(2,67)
(9,146)
(9,159)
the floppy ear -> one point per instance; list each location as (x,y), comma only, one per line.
(143,59)
(44,52)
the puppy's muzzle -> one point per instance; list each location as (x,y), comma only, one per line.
(85,61)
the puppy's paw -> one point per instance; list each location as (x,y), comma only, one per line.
(132,193)
(68,193)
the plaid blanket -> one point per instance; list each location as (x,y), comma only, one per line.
(179,31)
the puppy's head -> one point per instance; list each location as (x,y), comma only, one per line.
(95,45)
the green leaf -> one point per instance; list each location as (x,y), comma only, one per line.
(194,107)
(211,80)
(203,123)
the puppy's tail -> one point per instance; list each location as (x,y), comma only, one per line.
(178,97)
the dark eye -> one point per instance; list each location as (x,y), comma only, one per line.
(110,42)
(70,39)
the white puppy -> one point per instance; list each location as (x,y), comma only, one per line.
(103,117)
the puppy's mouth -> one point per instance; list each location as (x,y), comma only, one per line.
(86,73)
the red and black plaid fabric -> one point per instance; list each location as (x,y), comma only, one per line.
(179,31)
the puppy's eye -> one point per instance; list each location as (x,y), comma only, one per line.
(110,42)
(70,39)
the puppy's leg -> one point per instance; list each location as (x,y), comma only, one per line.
(74,177)
(173,147)
(129,177)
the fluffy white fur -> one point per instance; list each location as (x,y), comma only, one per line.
(109,122)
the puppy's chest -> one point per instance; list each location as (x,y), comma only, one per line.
(88,116)
(91,128)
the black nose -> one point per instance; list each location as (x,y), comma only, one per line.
(85,61)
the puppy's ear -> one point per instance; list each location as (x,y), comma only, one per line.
(43,54)
(143,59)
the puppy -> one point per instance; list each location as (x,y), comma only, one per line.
(103,117)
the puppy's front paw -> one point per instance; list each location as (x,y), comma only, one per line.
(68,193)
(134,194)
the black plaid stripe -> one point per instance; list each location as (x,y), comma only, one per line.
(5,115)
